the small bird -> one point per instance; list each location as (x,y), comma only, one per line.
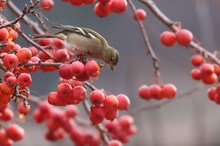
(84,41)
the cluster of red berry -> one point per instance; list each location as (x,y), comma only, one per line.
(61,122)
(157,92)
(68,92)
(106,107)
(206,72)
(183,37)
(214,94)
(122,128)
(12,132)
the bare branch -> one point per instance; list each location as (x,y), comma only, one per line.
(147,42)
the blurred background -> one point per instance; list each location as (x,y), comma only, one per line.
(191,120)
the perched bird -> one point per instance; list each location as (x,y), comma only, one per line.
(84,41)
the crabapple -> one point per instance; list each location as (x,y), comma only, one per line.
(102,10)
(97,97)
(168,91)
(76,68)
(23,108)
(140,14)
(118,6)
(47,4)
(155,91)
(168,38)
(15,132)
(184,37)
(24,55)
(111,102)
(97,114)
(207,69)
(24,80)
(144,93)
(4,34)
(10,61)
(64,71)
(197,60)
(123,102)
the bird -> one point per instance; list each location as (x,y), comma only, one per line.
(84,41)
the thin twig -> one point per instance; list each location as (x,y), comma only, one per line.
(147,42)
(174,27)
(33,25)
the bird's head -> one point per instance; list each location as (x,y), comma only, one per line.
(111,57)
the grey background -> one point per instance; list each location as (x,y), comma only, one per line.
(189,121)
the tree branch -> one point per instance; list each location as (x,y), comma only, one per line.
(174,27)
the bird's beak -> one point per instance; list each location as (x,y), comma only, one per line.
(111,67)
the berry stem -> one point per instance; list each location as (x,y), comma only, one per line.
(150,49)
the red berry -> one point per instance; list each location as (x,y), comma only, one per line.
(71,112)
(168,91)
(62,55)
(38,117)
(144,93)
(97,97)
(168,38)
(23,108)
(15,132)
(58,44)
(184,37)
(210,79)
(207,69)
(24,80)
(118,6)
(92,68)
(111,102)
(64,71)
(111,113)
(140,14)
(64,90)
(24,55)
(196,74)
(97,114)
(76,68)
(4,34)
(33,50)
(10,61)
(124,102)
(79,93)
(155,91)
(11,81)
(7,115)
(212,93)
(217,69)
(197,60)
(102,10)
(47,5)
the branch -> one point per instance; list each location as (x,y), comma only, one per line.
(174,27)
(33,25)
(33,43)
(147,43)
